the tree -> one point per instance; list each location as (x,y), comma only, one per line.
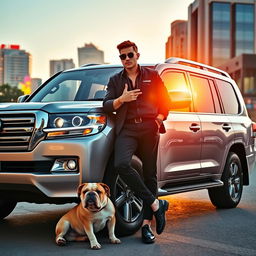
(9,93)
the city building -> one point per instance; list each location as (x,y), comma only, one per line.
(220,30)
(176,45)
(243,70)
(15,64)
(59,65)
(35,83)
(89,53)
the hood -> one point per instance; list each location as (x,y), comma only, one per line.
(55,107)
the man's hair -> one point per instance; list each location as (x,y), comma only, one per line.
(127,44)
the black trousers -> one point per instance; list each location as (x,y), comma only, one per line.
(142,138)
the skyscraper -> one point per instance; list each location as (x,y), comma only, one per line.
(59,65)
(220,30)
(15,64)
(35,83)
(176,46)
(90,54)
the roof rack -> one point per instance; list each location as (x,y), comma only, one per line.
(89,64)
(197,65)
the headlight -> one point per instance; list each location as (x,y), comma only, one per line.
(75,124)
(58,122)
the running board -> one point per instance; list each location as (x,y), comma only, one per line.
(175,189)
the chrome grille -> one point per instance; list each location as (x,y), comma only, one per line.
(16,131)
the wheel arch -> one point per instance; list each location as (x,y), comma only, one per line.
(239,149)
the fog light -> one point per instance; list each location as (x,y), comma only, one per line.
(65,165)
(71,164)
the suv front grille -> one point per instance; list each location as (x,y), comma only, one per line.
(16,131)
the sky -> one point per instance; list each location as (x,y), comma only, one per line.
(54,29)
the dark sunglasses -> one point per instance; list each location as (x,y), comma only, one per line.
(123,56)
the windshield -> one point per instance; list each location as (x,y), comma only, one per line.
(89,84)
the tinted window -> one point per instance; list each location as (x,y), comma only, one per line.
(76,85)
(215,97)
(65,90)
(176,81)
(228,97)
(202,95)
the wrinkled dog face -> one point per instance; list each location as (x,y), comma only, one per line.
(93,195)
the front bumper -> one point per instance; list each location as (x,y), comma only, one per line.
(92,159)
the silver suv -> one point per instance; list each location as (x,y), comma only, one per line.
(59,137)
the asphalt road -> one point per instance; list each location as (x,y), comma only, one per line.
(194,227)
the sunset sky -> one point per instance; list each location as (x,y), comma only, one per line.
(53,29)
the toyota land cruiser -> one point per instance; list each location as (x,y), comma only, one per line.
(59,137)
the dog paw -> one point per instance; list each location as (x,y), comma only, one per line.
(115,241)
(95,246)
(61,241)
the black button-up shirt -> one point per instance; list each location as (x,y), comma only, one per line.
(144,106)
(154,99)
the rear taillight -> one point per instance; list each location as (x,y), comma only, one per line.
(253,130)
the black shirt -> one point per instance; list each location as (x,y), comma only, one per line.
(154,99)
(145,106)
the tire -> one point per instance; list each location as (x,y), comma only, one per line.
(229,195)
(6,207)
(129,207)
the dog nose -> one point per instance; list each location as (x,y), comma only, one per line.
(91,194)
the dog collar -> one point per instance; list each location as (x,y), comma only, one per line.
(104,206)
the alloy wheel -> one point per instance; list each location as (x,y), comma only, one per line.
(128,204)
(234,181)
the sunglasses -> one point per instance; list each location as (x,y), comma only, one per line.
(123,56)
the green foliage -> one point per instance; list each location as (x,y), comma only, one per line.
(9,93)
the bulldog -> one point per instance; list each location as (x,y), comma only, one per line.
(90,216)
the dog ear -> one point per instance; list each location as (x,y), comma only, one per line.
(79,190)
(106,187)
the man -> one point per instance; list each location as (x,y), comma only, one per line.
(141,102)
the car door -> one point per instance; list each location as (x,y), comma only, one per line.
(217,131)
(180,146)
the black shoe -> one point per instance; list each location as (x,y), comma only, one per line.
(160,216)
(146,235)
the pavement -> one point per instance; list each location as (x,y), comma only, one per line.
(194,227)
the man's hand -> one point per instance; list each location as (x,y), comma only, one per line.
(128,96)
(159,120)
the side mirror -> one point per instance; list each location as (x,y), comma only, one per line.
(180,99)
(22,98)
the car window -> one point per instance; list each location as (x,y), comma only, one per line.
(176,81)
(77,85)
(215,97)
(66,90)
(228,97)
(202,95)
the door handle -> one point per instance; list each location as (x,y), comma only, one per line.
(194,127)
(226,127)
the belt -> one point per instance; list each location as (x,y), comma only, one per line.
(138,120)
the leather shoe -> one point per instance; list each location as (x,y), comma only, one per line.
(160,216)
(147,235)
